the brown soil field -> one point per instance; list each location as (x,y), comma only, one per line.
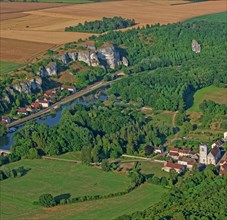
(20,51)
(42,25)
(9,10)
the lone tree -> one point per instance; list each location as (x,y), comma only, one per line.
(47,200)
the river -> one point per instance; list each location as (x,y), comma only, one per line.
(7,141)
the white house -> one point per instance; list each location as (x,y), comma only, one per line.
(159,150)
(69,88)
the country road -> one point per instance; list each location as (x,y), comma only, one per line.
(62,102)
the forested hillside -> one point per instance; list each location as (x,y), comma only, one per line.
(179,71)
(201,196)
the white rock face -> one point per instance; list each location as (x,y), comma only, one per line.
(64,58)
(110,56)
(196,47)
(94,59)
(73,56)
(27,87)
(125,61)
(84,56)
(51,69)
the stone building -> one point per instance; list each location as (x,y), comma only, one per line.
(211,157)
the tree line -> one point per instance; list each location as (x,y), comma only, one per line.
(97,131)
(198,196)
(100,26)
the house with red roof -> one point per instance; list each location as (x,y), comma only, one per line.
(168,166)
(188,162)
(22,111)
(69,88)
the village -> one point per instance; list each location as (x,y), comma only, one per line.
(49,98)
(182,159)
(46,100)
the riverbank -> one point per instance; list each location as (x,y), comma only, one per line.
(66,100)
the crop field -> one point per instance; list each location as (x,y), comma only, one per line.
(218,95)
(217,17)
(33,23)
(6,67)
(20,51)
(57,178)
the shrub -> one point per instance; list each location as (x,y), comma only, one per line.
(47,200)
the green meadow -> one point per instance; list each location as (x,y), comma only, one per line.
(217,17)
(216,94)
(58,178)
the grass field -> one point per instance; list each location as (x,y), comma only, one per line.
(218,95)
(6,67)
(163,118)
(57,178)
(153,168)
(17,195)
(140,199)
(70,156)
(217,17)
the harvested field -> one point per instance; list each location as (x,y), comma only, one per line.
(142,11)
(9,10)
(51,37)
(20,51)
(42,28)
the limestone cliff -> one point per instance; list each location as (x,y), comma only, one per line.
(108,56)
(28,86)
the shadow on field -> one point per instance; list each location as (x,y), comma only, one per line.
(62,197)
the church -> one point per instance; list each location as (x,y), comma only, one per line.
(211,157)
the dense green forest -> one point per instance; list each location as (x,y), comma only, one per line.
(198,196)
(177,71)
(98,131)
(100,26)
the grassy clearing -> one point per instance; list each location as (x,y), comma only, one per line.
(218,95)
(217,17)
(140,199)
(55,177)
(70,156)
(163,118)
(6,67)
(153,168)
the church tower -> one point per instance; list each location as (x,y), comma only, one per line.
(203,151)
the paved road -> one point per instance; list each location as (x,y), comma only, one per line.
(62,102)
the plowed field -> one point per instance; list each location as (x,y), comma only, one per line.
(38,26)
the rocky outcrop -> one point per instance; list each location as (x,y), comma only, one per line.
(94,59)
(64,58)
(125,61)
(29,86)
(110,56)
(84,56)
(105,57)
(196,47)
(73,56)
(51,69)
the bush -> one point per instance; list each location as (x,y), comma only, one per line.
(47,200)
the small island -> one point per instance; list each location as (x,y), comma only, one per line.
(101,26)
